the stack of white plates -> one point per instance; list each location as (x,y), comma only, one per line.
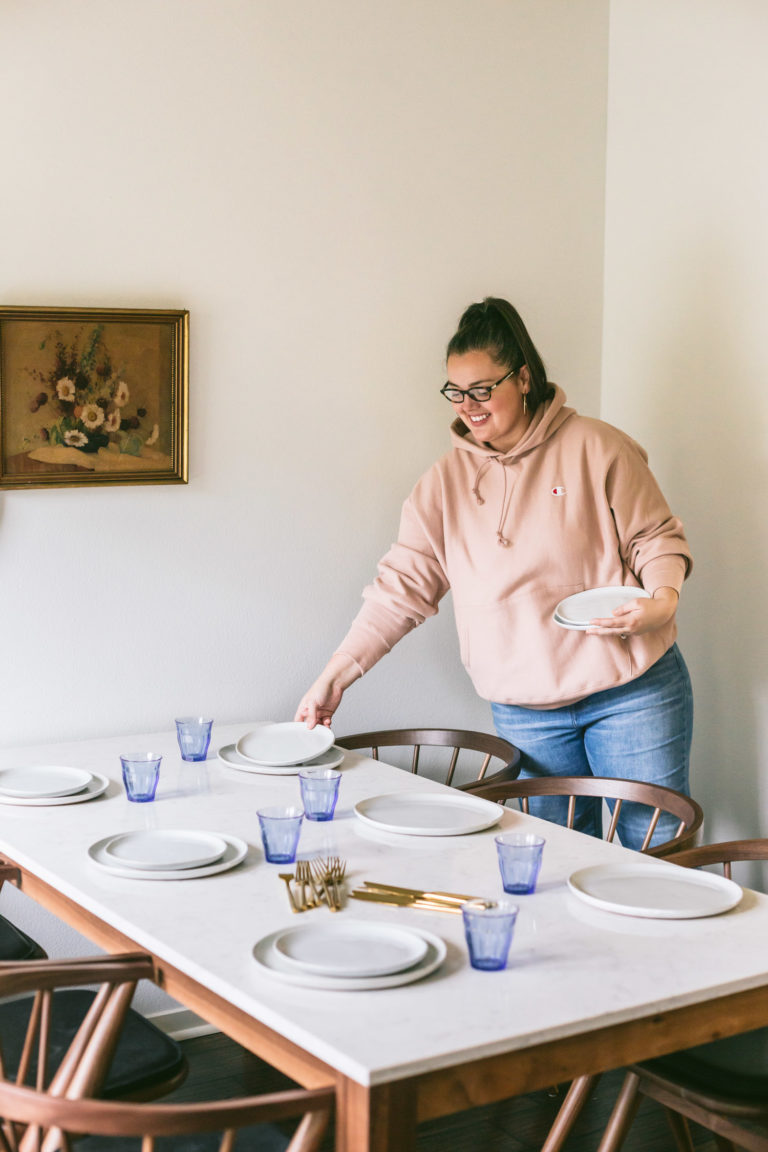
(282,749)
(167,854)
(353,957)
(49,784)
(596,603)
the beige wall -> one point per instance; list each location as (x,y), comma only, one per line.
(685,354)
(325,184)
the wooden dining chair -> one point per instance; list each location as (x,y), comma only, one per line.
(147,1063)
(720,1085)
(457,740)
(656,799)
(40,1112)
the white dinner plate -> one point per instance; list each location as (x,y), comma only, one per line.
(230,756)
(577,611)
(358,948)
(41,782)
(234,853)
(164,849)
(270,961)
(429,813)
(97,785)
(279,745)
(659,893)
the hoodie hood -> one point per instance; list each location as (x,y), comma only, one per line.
(546,420)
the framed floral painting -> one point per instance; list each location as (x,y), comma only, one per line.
(93,396)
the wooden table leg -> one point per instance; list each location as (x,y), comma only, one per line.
(379,1119)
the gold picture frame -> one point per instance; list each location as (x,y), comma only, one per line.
(93,396)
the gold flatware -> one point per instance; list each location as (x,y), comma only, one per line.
(288,876)
(336,869)
(398,901)
(315,888)
(417,893)
(320,874)
(304,880)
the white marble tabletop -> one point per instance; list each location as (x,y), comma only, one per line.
(572,968)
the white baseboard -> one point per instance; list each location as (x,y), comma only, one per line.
(182,1024)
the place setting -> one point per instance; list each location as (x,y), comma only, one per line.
(282,749)
(167,854)
(350,956)
(162,854)
(48,785)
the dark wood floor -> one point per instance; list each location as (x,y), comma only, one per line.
(220,1068)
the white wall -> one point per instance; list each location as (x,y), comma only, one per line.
(685,350)
(325,184)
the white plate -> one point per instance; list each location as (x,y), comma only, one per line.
(42,782)
(659,893)
(232,758)
(235,852)
(564,624)
(355,949)
(164,849)
(98,784)
(271,962)
(577,611)
(279,745)
(429,813)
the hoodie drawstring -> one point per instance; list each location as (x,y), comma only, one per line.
(476,486)
(505,502)
(506,499)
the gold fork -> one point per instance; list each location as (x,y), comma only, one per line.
(305,880)
(288,876)
(325,880)
(336,869)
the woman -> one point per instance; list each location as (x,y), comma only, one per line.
(535,503)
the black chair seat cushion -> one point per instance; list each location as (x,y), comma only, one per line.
(16,945)
(736,1067)
(143,1057)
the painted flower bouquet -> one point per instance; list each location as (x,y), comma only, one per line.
(87,401)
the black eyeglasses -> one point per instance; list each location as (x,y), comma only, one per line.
(478,392)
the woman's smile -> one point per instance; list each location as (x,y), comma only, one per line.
(502,420)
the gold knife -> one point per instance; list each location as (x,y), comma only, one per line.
(400,901)
(448,897)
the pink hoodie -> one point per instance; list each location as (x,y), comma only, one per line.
(572,506)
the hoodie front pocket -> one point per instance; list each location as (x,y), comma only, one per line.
(498,634)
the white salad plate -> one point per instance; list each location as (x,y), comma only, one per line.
(274,964)
(235,852)
(429,813)
(164,849)
(350,950)
(43,782)
(280,745)
(230,756)
(656,893)
(577,611)
(96,786)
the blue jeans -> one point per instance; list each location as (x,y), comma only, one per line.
(639,731)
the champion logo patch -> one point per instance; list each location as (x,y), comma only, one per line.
(558,491)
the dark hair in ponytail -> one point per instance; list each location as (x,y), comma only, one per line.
(496,327)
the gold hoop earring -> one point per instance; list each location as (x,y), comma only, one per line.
(525,403)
